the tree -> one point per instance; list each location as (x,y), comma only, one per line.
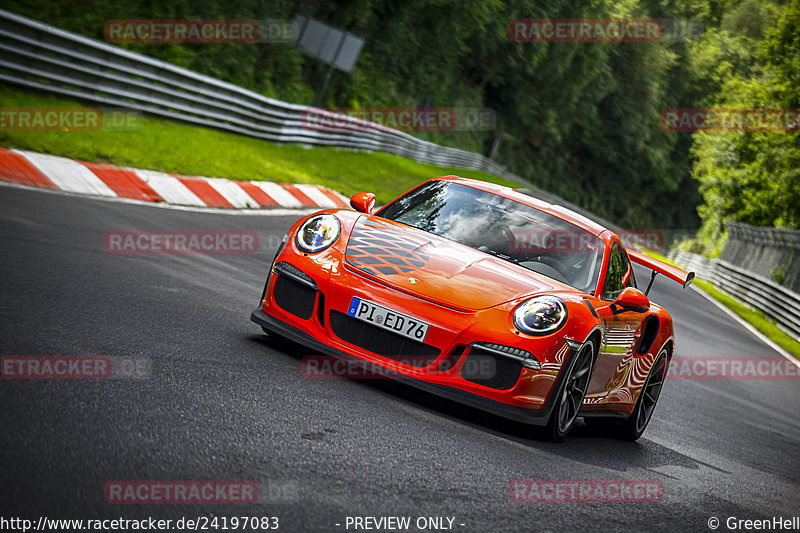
(754,177)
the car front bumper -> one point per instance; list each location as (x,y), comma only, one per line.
(534,416)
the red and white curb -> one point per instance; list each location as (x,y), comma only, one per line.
(52,172)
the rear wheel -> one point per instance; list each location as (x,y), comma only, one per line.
(569,397)
(633,428)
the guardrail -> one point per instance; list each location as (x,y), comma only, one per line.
(777,302)
(46,58)
(769,252)
(49,59)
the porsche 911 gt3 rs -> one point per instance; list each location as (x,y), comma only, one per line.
(481,294)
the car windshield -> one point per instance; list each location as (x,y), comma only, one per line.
(503,228)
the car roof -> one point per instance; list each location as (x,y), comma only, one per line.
(556,210)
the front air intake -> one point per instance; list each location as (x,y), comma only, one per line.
(295,291)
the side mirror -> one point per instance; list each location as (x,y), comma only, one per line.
(631,299)
(363,202)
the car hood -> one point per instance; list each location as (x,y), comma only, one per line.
(438,269)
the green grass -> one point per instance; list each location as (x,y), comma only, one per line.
(753,317)
(172,147)
(656,255)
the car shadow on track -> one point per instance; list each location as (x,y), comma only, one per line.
(595,445)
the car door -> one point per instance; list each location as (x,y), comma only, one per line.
(621,328)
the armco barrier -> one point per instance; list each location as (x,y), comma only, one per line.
(777,302)
(49,59)
(46,58)
(765,251)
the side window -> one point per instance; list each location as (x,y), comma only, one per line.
(619,274)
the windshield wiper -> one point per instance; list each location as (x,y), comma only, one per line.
(501,256)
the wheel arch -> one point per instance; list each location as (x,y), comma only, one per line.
(669,345)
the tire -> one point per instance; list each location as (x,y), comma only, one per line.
(570,395)
(635,425)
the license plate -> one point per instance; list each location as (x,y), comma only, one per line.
(387,319)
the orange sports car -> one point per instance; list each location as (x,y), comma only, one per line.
(481,294)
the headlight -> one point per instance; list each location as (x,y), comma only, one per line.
(540,315)
(317,233)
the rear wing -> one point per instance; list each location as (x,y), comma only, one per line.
(674,273)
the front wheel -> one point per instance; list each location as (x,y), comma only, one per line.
(569,397)
(648,398)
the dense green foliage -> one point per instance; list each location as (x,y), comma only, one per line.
(754,177)
(578,119)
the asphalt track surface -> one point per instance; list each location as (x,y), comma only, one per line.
(221,401)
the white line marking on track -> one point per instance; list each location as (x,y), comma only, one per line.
(746,325)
